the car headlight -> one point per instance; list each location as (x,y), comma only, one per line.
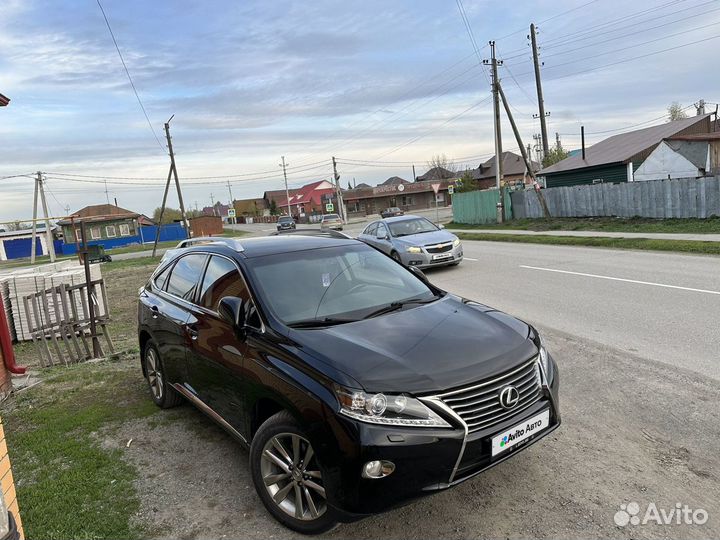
(544,360)
(414,249)
(456,242)
(394,410)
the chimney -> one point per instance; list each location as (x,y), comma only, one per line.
(582,139)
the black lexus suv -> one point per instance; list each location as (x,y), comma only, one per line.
(356,384)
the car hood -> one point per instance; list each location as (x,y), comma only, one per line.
(424,348)
(424,239)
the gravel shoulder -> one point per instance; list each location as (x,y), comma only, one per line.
(633,430)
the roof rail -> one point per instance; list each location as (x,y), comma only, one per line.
(314,232)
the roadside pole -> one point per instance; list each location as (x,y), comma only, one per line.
(498,135)
(436,190)
(338,190)
(97,351)
(287,191)
(48,232)
(34,225)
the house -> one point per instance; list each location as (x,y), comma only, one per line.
(273,197)
(105,224)
(206,226)
(436,173)
(394,181)
(683,156)
(616,158)
(16,244)
(218,209)
(513,169)
(250,207)
(310,199)
(408,196)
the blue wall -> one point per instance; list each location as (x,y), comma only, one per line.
(169,232)
(20,247)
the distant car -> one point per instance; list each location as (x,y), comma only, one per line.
(331,221)
(285,223)
(414,241)
(392,212)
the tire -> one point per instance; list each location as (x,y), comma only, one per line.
(282,439)
(164,395)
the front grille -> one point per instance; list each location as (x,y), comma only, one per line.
(479,404)
(439,248)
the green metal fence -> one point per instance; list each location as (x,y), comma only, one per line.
(479,207)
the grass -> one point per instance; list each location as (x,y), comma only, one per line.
(682,246)
(609,224)
(69,484)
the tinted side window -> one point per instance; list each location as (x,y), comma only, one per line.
(185,275)
(371,229)
(221,279)
(161,278)
(381,230)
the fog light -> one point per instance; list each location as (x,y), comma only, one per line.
(378,469)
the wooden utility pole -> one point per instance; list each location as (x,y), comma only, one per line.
(34,226)
(498,135)
(338,189)
(162,211)
(175,174)
(528,164)
(414,175)
(232,202)
(287,191)
(97,350)
(538,84)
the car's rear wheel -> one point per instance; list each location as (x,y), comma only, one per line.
(164,395)
(288,477)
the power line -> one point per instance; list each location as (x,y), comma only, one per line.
(625,127)
(127,72)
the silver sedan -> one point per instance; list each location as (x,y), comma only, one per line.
(414,241)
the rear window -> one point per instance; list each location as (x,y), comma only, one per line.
(328,217)
(185,275)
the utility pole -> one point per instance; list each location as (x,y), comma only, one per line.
(34,226)
(498,135)
(287,191)
(414,175)
(175,174)
(212,203)
(558,145)
(67,209)
(232,201)
(518,139)
(171,173)
(39,189)
(338,189)
(538,84)
(107,195)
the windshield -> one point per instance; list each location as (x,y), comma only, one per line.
(285,219)
(411,226)
(344,283)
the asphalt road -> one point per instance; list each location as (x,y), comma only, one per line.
(660,306)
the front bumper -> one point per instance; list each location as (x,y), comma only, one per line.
(426,259)
(426,460)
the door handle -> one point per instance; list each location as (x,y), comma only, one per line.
(155,312)
(192,332)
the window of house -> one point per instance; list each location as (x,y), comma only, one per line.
(185,274)
(95,233)
(124,229)
(78,235)
(407,200)
(110,231)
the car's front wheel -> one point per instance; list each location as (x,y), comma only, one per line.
(288,477)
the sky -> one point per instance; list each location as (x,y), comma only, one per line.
(381,85)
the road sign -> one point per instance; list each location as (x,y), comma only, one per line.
(231,212)
(451,189)
(329,207)
(436,188)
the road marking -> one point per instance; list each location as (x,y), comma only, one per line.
(621,279)
(469,259)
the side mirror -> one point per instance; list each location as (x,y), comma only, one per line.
(441,226)
(419,273)
(232,311)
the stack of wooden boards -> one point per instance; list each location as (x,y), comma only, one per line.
(17,284)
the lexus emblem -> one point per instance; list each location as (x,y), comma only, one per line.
(509,397)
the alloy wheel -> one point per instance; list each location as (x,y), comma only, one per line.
(292,476)
(154,374)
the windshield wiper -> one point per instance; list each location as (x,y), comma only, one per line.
(394,306)
(316,323)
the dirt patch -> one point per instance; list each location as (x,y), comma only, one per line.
(617,444)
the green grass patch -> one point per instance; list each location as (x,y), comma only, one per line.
(682,246)
(609,224)
(69,484)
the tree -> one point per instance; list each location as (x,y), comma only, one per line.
(466,183)
(558,153)
(169,216)
(676,111)
(273,207)
(441,160)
